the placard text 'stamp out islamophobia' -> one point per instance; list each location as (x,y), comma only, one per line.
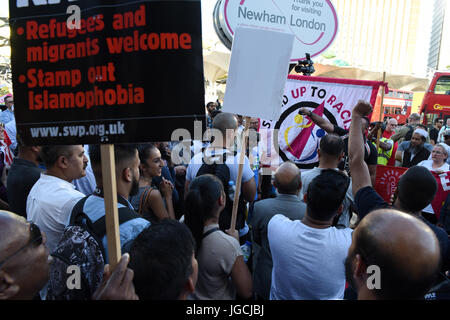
(54,53)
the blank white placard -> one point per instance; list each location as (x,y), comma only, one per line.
(258,71)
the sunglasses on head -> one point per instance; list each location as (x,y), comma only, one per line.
(35,239)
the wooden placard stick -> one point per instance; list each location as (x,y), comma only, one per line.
(381,110)
(239,177)
(110,198)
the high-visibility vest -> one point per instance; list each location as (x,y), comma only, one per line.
(384,156)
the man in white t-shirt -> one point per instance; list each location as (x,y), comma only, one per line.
(225,125)
(309,255)
(331,152)
(53,196)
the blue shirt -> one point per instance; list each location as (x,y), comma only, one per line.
(6,116)
(94,208)
(406,144)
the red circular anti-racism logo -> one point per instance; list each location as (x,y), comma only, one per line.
(298,137)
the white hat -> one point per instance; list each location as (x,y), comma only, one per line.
(422,132)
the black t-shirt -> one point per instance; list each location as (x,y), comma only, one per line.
(368,200)
(370,151)
(21,178)
(434,133)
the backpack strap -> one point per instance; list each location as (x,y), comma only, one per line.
(78,217)
(125,214)
(143,199)
(214,163)
(77,211)
(207,233)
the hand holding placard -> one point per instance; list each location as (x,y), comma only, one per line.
(257,75)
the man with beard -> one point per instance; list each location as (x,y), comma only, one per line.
(380,266)
(22,176)
(210,108)
(127,162)
(391,125)
(53,196)
(416,152)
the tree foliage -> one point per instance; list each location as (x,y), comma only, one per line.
(5,63)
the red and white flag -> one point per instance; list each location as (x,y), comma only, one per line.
(388,177)
(330,98)
(5,148)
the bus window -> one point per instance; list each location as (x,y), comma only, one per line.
(431,117)
(442,86)
(404,110)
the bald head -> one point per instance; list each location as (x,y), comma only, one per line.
(225,121)
(288,179)
(12,229)
(26,269)
(404,248)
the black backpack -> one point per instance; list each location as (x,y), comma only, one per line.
(409,134)
(219,169)
(81,245)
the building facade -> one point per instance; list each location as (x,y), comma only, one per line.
(384,35)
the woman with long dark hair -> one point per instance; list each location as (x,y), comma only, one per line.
(151,202)
(222,270)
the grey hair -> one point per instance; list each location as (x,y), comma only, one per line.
(414,116)
(444,147)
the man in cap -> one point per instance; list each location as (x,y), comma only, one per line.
(416,152)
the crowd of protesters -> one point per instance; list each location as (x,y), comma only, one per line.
(323,233)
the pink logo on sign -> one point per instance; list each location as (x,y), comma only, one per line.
(314,46)
(298,145)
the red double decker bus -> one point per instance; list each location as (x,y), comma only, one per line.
(436,101)
(397,104)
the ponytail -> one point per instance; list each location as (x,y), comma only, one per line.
(195,216)
(200,204)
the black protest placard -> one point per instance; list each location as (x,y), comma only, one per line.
(130,71)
